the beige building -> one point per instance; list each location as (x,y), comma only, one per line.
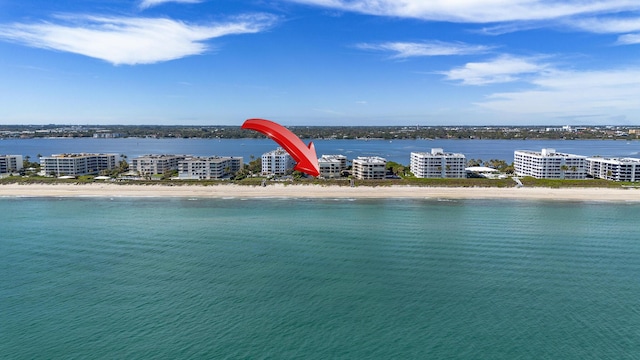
(10,164)
(77,164)
(206,168)
(373,167)
(331,166)
(615,169)
(549,164)
(155,164)
(438,164)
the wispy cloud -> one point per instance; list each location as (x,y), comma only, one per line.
(124,40)
(629,39)
(629,27)
(479,11)
(432,48)
(607,25)
(150,3)
(569,93)
(503,69)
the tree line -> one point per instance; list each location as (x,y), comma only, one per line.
(316,132)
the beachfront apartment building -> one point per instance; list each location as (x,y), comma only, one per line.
(615,169)
(207,168)
(549,164)
(438,164)
(155,164)
(369,167)
(10,164)
(77,164)
(277,162)
(331,166)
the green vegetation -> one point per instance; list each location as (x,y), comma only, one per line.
(409,181)
(323,132)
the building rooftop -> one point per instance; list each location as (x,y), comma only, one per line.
(616,160)
(547,153)
(371,159)
(278,151)
(437,152)
(76,155)
(161,156)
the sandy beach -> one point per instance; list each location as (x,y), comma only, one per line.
(316,191)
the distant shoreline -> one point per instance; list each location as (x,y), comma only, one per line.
(317,192)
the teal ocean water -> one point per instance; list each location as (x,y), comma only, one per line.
(132,278)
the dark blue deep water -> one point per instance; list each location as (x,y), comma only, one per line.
(132,278)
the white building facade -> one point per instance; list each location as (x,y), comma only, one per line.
(77,164)
(549,164)
(10,164)
(155,164)
(207,168)
(438,164)
(373,167)
(331,166)
(277,162)
(615,169)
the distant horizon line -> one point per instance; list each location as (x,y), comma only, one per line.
(404,125)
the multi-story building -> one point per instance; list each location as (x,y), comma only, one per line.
(206,168)
(155,164)
(77,164)
(105,134)
(331,166)
(373,167)
(549,164)
(616,169)
(10,164)
(438,164)
(277,162)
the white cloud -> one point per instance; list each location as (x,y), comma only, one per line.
(607,25)
(628,39)
(433,48)
(479,11)
(573,93)
(121,40)
(500,70)
(628,26)
(150,3)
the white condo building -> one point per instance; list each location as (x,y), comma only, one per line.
(373,167)
(277,162)
(549,164)
(206,168)
(616,169)
(77,164)
(438,164)
(10,164)
(155,164)
(331,166)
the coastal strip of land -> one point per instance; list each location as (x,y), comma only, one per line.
(318,191)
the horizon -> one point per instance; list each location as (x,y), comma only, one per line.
(558,125)
(320,63)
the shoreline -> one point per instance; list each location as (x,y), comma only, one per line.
(316,192)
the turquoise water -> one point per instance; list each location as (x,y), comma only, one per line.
(318,279)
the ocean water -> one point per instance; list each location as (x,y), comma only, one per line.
(396,150)
(125,278)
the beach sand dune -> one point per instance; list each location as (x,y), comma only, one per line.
(316,191)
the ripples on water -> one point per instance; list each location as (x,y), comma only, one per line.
(167,278)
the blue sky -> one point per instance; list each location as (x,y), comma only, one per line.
(320,62)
